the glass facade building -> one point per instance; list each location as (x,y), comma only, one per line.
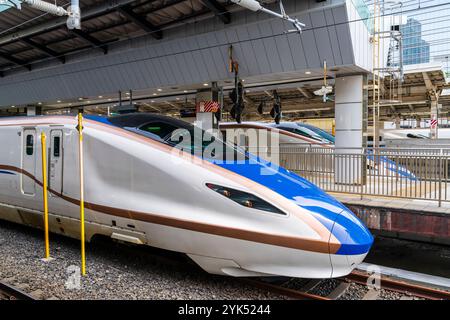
(415,49)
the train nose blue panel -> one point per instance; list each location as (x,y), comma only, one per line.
(338,219)
(355,238)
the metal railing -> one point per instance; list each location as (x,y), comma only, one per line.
(397,173)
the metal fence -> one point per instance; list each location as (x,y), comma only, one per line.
(398,173)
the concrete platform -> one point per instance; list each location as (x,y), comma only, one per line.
(419,220)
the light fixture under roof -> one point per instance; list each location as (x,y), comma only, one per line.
(159,89)
(307,72)
(155,94)
(100,97)
(59,101)
(39,103)
(206,84)
(80,99)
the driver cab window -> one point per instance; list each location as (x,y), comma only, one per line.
(160,129)
(300,132)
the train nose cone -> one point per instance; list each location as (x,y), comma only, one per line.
(356,241)
(354,236)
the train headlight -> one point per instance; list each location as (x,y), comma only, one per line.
(245,199)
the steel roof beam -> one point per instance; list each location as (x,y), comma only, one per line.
(218,9)
(432,89)
(92,13)
(104,8)
(44,49)
(165,4)
(87,17)
(16,61)
(73,36)
(305,92)
(182,19)
(141,21)
(91,40)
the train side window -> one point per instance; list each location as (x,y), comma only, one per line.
(29,145)
(56,146)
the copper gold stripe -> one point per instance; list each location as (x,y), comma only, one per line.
(225,231)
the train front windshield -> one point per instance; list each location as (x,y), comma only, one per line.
(322,133)
(192,139)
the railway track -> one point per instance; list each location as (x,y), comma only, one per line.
(9,292)
(278,289)
(405,290)
(304,289)
(403,287)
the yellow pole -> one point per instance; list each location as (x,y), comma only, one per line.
(44,192)
(80,148)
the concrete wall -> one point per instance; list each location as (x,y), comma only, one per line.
(430,225)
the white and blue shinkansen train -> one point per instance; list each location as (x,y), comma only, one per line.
(225,215)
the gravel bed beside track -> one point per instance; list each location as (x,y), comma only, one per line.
(325,287)
(114,271)
(355,292)
(118,271)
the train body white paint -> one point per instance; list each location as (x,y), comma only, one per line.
(140,189)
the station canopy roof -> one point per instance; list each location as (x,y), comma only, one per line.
(28,35)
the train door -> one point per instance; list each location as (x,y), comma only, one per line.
(29,161)
(56,160)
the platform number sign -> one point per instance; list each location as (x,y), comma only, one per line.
(8,4)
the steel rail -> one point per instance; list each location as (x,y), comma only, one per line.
(402,287)
(14,293)
(283,291)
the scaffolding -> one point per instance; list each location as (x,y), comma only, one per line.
(393,72)
(387,67)
(376,47)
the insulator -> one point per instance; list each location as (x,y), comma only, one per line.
(46,7)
